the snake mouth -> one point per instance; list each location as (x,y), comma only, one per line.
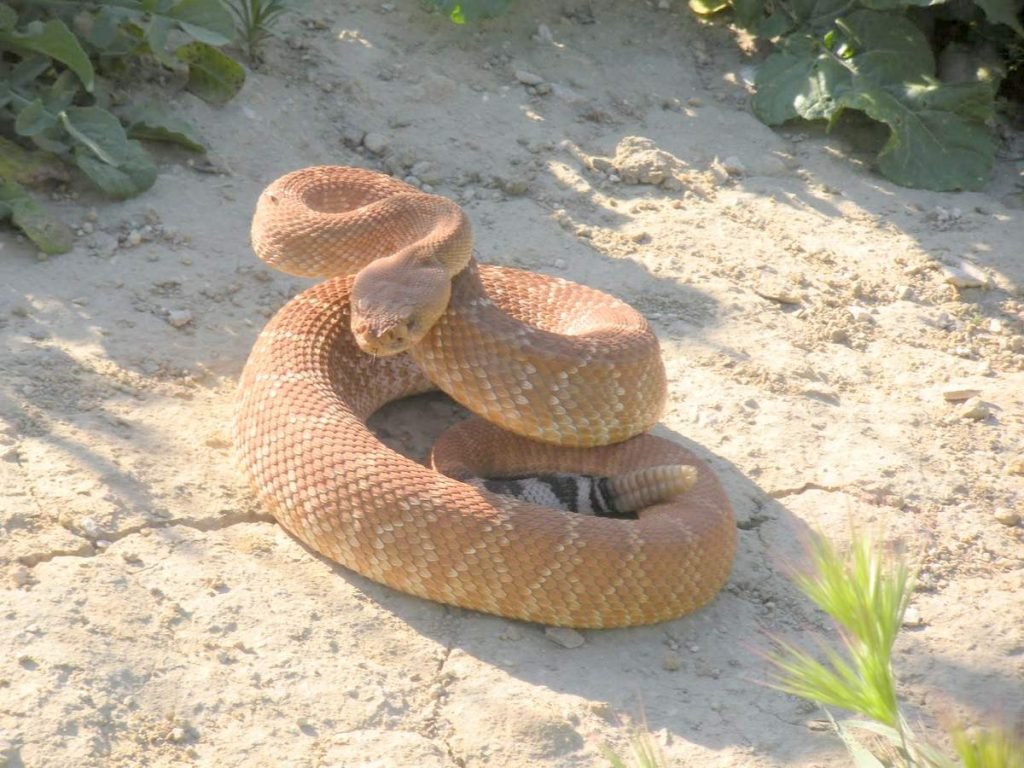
(392,340)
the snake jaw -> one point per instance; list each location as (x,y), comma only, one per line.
(394,304)
(395,337)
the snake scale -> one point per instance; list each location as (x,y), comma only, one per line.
(565,378)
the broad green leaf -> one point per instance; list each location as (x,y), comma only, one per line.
(929,148)
(61,92)
(8,17)
(814,16)
(887,47)
(98,131)
(28,69)
(44,229)
(748,12)
(790,85)
(110,34)
(157,123)
(29,167)
(136,172)
(971,100)
(708,7)
(33,119)
(55,40)
(212,75)
(156,34)
(1002,12)
(205,21)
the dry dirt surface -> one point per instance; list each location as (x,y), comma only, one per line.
(843,351)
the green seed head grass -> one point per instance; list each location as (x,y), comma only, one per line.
(646,753)
(866,592)
(988,748)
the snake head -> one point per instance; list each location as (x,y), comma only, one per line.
(395,304)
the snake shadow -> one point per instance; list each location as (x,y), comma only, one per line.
(692,677)
(698,678)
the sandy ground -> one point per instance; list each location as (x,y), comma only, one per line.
(151,615)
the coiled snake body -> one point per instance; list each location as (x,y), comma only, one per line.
(536,356)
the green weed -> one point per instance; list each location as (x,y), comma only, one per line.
(59,63)
(254,20)
(866,591)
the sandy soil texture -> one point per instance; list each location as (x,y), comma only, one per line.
(840,349)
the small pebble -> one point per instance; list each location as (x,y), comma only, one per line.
(21,576)
(426,172)
(134,237)
(733,166)
(560,264)
(838,336)
(376,143)
(179,317)
(955,394)
(352,137)
(671,661)
(528,78)
(1016,466)
(544,34)
(963,275)
(1007,516)
(912,618)
(777,291)
(974,408)
(860,314)
(564,636)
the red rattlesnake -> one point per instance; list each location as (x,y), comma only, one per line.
(538,356)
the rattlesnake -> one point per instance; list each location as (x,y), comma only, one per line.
(534,355)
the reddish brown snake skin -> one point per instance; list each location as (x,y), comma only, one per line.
(536,355)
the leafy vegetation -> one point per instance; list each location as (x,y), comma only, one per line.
(470,10)
(866,593)
(877,57)
(58,62)
(254,18)
(874,56)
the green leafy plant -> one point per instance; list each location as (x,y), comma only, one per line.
(872,56)
(57,60)
(470,10)
(866,593)
(255,18)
